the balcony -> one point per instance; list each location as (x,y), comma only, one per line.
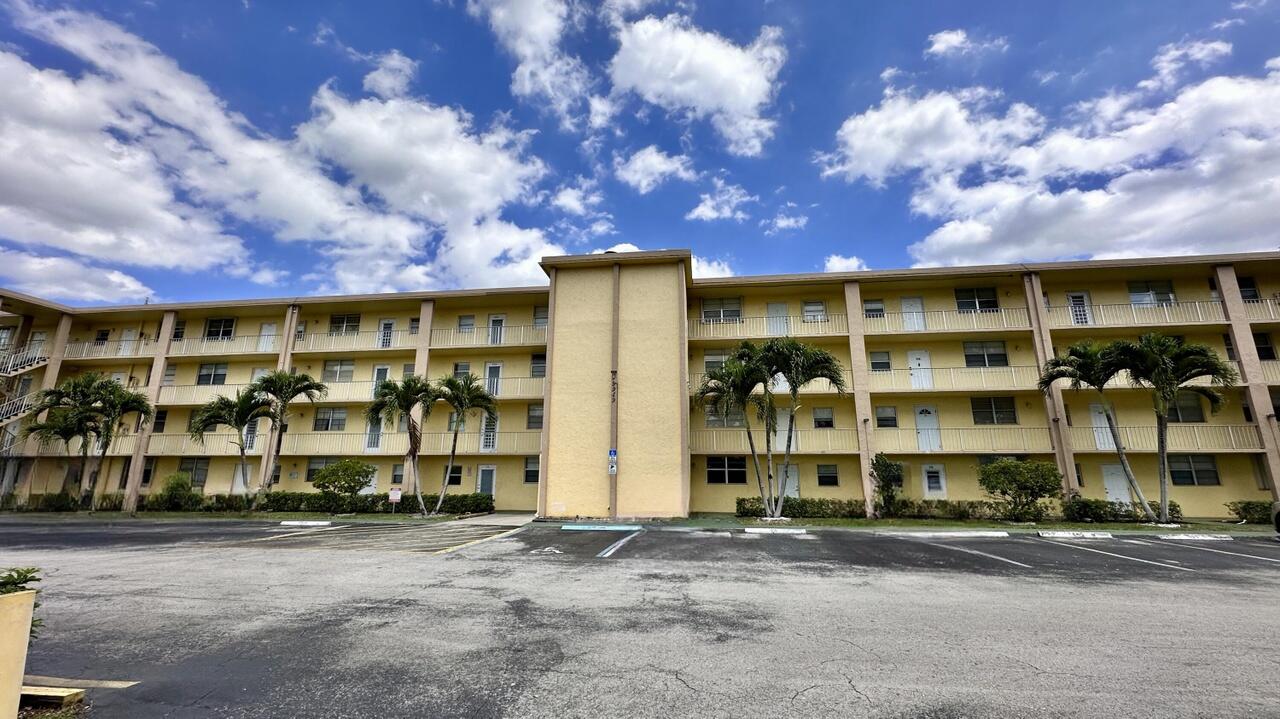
(214,444)
(109,349)
(244,344)
(17,360)
(1271,371)
(196,393)
(1012,439)
(826,325)
(1262,310)
(943,379)
(804,441)
(122,446)
(1004,318)
(516,387)
(1137,315)
(1182,438)
(503,336)
(818,386)
(1121,380)
(397,443)
(355,341)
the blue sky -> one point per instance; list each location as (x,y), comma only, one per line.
(215,150)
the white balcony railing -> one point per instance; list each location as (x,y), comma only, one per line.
(527,442)
(1182,438)
(396,443)
(496,336)
(22,358)
(1004,318)
(196,393)
(778,326)
(1262,310)
(112,348)
(213,444)
(954,378)
(17,406)
(1271,371)
(369,340)
(1121,380)
(244,344)
(1173,313)
(123,445)
(803,441)
(1004,438)
(515,387)
(818,386)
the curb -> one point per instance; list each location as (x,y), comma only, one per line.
(775,530)
(1199,537)
(1074,535)
(305,523)
(957,534)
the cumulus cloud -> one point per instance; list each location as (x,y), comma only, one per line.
(650,167)
(1168,63)
(671,63)
(704,267)
(1132,175)
(75,280)
(724,202)
(786,220)
(392,76)
(840,263)
(952,43)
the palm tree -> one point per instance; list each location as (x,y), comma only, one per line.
(238,413)
(798,364)
(1166,366)
(66,425)
(464,395)
(393,400)
(70,412)
(729,389)
(281,388)
(114,402)
(1087,364)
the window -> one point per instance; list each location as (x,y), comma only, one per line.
(534,419)
(880,362)
(344,324)
(197,468)
(1249,289)
(215,373)
(530,470)
(250,435)
(415,325)
(330,419)
(397,474)
(985,354)
(101,336)
(728,309)
(124,474)
(828,475)
(993,410)
(466,323)
(726,470)
(540,316)
(170,376)
(977,299)
(461,369)
(985,459)
(454,422)
(315,464)
(714,359)
(148,469)
(935,481)
(338,371)
(873,308)
(275,473)
(815,311)
(1231,347)
(1186,408)
(823,418)
(538,365)
(886,416)
(1151,292)
(734,418)
(179,329)
(219,328)
(158,422)
(1266,350)
(406,370)
(1199,470)
(300,331)
(455,476)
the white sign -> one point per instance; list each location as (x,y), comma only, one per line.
(394,495)
(613,465)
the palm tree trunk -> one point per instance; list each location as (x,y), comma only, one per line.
(276,439)
(755,459)
(448,470)
(1124,463)
(93,478)
(786,456)
(1162,464)
(244,464)
(84,470)
(411,460)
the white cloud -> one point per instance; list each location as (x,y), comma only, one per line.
(67,278)
(1174,56)
(581,201)
(1227,23)
(840,263)
(1248,4)
(722,203)
(600,111)
(392,76)
(1044,77)
(787,219)
(620,247)
(650,167)
(577,199)
(681,68)
(952,43)
(531,30)
(704,267)
(1197,172)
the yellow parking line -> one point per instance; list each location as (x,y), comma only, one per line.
(507,533)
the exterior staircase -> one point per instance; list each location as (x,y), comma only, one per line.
(16,408)
(25,359)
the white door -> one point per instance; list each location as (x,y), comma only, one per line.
(928,436)
(1115,484)
(493,378)
(128,342)
(913,314)
(486,478)
(934,479)
(496,325)
(1081,308)
(1101,432)
(381,373)
(778,323)
(921,368)
(267,337)
(373,437)
(783,421)
(488,434)
(386,332)
(791,484)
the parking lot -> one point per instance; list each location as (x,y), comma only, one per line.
(250,620)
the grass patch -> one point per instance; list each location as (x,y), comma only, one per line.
(225,516)
(1194,525)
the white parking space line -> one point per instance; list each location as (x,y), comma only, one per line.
(966,550)
(609,550)
(1223,551)
(1120,556)
(298,533)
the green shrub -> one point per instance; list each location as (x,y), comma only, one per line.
(372,503)
(225,503)
(177,496)
(804,507)
(342,482)
(1080,509)
(20,579)
(1020,486)
(947,509)
(110,502)
(60,502)
(1175,512)
(889,480)
(1252,511)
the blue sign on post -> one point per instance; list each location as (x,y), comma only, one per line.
(613,454)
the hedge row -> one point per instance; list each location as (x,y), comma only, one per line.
(1075,510)
(272,502)
(1253,511)
(1080,509)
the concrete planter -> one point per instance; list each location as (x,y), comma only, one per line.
(15,629)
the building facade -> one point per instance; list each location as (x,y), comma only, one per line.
(593,374)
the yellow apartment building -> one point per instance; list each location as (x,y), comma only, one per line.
(941,363)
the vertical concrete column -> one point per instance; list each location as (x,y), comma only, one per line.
(1054,406)
(546,396)
(284,360)
(133,483)
(683,406)
(421,366)
(56,353)
(613,389)
(863,415)
(1252,381)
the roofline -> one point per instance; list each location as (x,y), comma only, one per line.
(609,258)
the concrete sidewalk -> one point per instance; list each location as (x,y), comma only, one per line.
(505,519)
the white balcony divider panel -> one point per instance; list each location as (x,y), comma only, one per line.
(1182,438)
(1123,315)
(1004,318)
(769,326)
